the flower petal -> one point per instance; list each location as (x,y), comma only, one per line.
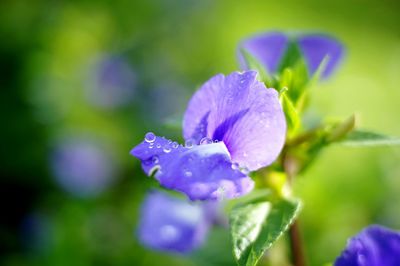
(374,246)
(267,48)
(202,172)
(171,224)
(242,113)
(316,47)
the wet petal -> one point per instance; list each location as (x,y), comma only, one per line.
(267,48)
(374,246)
(316,47)
(242,113)
(202,172)
(171,224)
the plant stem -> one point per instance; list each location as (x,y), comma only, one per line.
(296,246)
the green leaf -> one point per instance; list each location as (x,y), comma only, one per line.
(291,56)
(367,138)
(342,129)
(291,114)
(317,74)
(254,64)
(256,226)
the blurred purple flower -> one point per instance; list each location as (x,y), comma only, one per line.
(113,83)
(82,167)
(232,125)
(373,246)
(269,49)
(172,224)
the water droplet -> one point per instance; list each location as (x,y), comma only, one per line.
(167,148)
(188,173)
(205,140)
(158,145)
(150,137)
(245,170)
(235,166)
(189,143)
(175,144)
(155,159)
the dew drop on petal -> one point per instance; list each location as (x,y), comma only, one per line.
(189,143)
(150,137)
(166,148)
(155,159)
(245,170)
(175,144)
(205,140)
(235,166)
(158,145)
(188,173)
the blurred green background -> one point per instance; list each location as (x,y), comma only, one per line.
(52,54)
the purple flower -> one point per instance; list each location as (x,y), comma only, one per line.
(233,124)
(270,48)
(82,167)
(373,246)
(113,83)
(171,224)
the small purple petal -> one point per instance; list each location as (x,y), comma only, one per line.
(202,172)
(171,224)
(316,47)
(82,167)
(374,246)
(267,48)
(113,83)
(242,113)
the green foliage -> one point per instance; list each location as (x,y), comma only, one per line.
(254,64)
(291,114)
(257,225)
(341,130)
(368,138)
(291,56)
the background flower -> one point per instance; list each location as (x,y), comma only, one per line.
(373,246)
(270,49)
(172,224)
(82,167)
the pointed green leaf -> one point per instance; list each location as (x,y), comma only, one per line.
(317,74)
(291,56)
(291,114)
(254,64)
(342,129)
(256,226)
(367,138)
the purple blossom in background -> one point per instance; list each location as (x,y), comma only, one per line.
(82,167)
(233,124)
(113,83)
(269,49)
(172,224)
(373,246)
